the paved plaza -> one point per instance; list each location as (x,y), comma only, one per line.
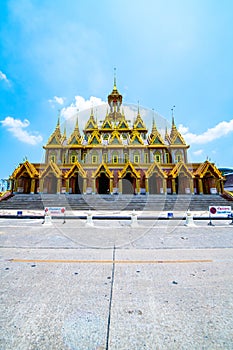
(109,285)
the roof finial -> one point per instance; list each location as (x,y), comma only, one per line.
(114,78)
(58,118)
(92,110)
(173,121)
(153,119)
(138,108)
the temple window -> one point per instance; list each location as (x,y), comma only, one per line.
(94,159)
(53,158)
(84,157)
(146,158)
(115,158)
(126,157)
(179,157)
(167,158)
(73,159)
(136,158)
(157,157)
(105,157)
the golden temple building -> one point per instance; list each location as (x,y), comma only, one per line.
(116,157)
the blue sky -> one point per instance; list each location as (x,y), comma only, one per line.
(61,55)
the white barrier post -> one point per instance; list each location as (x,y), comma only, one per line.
(47,218)
(189,219)
(89,221)
(134,219)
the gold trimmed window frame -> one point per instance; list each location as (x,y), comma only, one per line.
(157,157)
(94,159)
(178,157)
(136,158)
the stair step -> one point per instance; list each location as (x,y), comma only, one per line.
(115,202)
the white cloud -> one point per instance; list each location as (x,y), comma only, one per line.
(16,128)
(57,100)
(4,77)
(79,105)
(198,152)
(222,129)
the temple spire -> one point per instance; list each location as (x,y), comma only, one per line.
(138,108)
(58,119)
(114,86)
(173,120)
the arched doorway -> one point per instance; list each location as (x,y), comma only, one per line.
(26,184)
(128,184)
(209,184)
(155,184)
(182,184)
(76,184)
(50,184)
(103,184)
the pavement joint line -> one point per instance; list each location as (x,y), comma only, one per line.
(110,298)
(186,261)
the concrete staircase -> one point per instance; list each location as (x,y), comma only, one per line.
(114,202)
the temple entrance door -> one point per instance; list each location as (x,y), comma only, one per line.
(103,184)
(155,183)
(128,184)
(78,184)
(26,185)
(208,183)
(51,183)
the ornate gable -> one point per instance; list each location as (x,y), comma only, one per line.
(103,168)
(91,123)
(155,168)
(27,167)
(75,137)
(77,167)
(51,168)
(123,124)
(139,123)
(178,168)
(107,124)
(56,138)
(129,168)
(175,136)
(115,138)
(136,138)
(155,137)
(208,167)
(94,138)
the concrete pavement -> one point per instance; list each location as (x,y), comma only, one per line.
(159,285)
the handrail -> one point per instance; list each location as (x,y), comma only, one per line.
(5,195)
(228,195)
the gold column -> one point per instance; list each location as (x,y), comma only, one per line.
(200,186)
(41,185)
(111,186)
(191,186)
(93,185)
(13,185)
(147,185)
(173,186)
(16,185)
(218,186)
(67,185)
(58,185)
(33,185)
(84,185)
(138,186)
(120,186)
(221,186)
(164,186)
